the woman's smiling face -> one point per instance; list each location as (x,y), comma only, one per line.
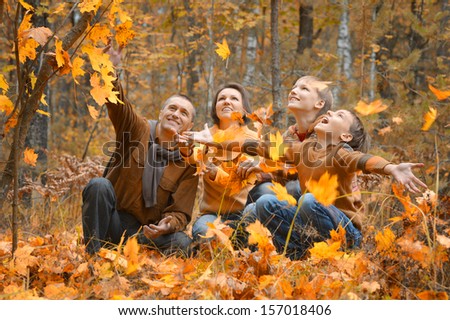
(228,101)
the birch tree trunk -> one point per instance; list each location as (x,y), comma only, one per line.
(250,55)
(275,64)
(344,44)
(211,60)
(193,75)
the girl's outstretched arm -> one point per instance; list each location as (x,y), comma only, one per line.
(403,174)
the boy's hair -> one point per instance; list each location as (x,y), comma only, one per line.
(324,92)
(360,140)
(245,101)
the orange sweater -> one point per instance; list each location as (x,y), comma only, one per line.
(341,160)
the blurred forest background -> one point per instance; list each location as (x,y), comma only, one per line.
(396,52)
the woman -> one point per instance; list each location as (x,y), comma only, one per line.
(224,193)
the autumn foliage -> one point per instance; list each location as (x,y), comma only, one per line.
(403,103)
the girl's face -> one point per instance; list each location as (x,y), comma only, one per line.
(228,101)
(337,123)
(304,95)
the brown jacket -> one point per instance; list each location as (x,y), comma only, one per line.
(177,188)
(342,161)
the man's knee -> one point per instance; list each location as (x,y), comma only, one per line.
(97,185)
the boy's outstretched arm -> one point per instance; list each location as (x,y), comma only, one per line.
(403,174)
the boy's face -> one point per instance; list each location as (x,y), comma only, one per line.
(304,96)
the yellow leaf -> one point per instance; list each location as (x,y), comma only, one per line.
(131,251)
(440,95)
(93,112)
(325,190)
(27,49)
(44,113)
(429,118)
(100,33)
(26,5)
(33,79)
(6,105)
(89,5)
(124,34)
(76,68)
(42,100)
(282,194)
(367,109)
(222,49)
(385,130)
(25,25)
(59,53)
(11,123)
(384,240)
(276,146)
(258,234)
(215,229)
(30,157)
(397,120)
(3,84)
(325,251)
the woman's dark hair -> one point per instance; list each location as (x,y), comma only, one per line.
(361,140)
(245,101)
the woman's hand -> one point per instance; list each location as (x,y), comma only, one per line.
(246,168)
(403,174)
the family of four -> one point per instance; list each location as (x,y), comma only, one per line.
(150,184)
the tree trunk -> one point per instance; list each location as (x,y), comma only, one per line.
(192,71)
(250,54)
(211,61)
(28,110)
(416,41)
(275,64)
(344,44)
(306,27)
(443,45)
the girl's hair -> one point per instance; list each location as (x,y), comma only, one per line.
(324,93)
(361,140)
(245,101)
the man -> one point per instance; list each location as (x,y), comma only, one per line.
(147,188)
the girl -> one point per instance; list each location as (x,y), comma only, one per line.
(334,147)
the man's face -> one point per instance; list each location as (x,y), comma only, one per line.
(177,115)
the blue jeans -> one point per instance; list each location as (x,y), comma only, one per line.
(278,216)
(103,224)
(262,188)
(236,220)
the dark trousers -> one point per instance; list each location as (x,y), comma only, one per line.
(103,224)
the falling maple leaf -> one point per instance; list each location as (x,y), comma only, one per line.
(440,95)
(93,112)
(30,157)
(282,194)
(429,118)
(44,113)
(262,115)
(325,190)
(276,146)
(365,109)
(237,116)
(223,50)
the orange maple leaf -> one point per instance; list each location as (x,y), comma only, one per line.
(282,194)
(324,251)
(76,68)
(89,5)
(6,105)
(30,157)
(130,251)
(433,295)
(276,146)
(3,84)
(440,95)
(384,240)
(237,116)
(100,33)
(124,33)
(62,59)
(262,115)
(26,6)
(93,112)
(429,118)
(325,190)
(365,109)
(223,50)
